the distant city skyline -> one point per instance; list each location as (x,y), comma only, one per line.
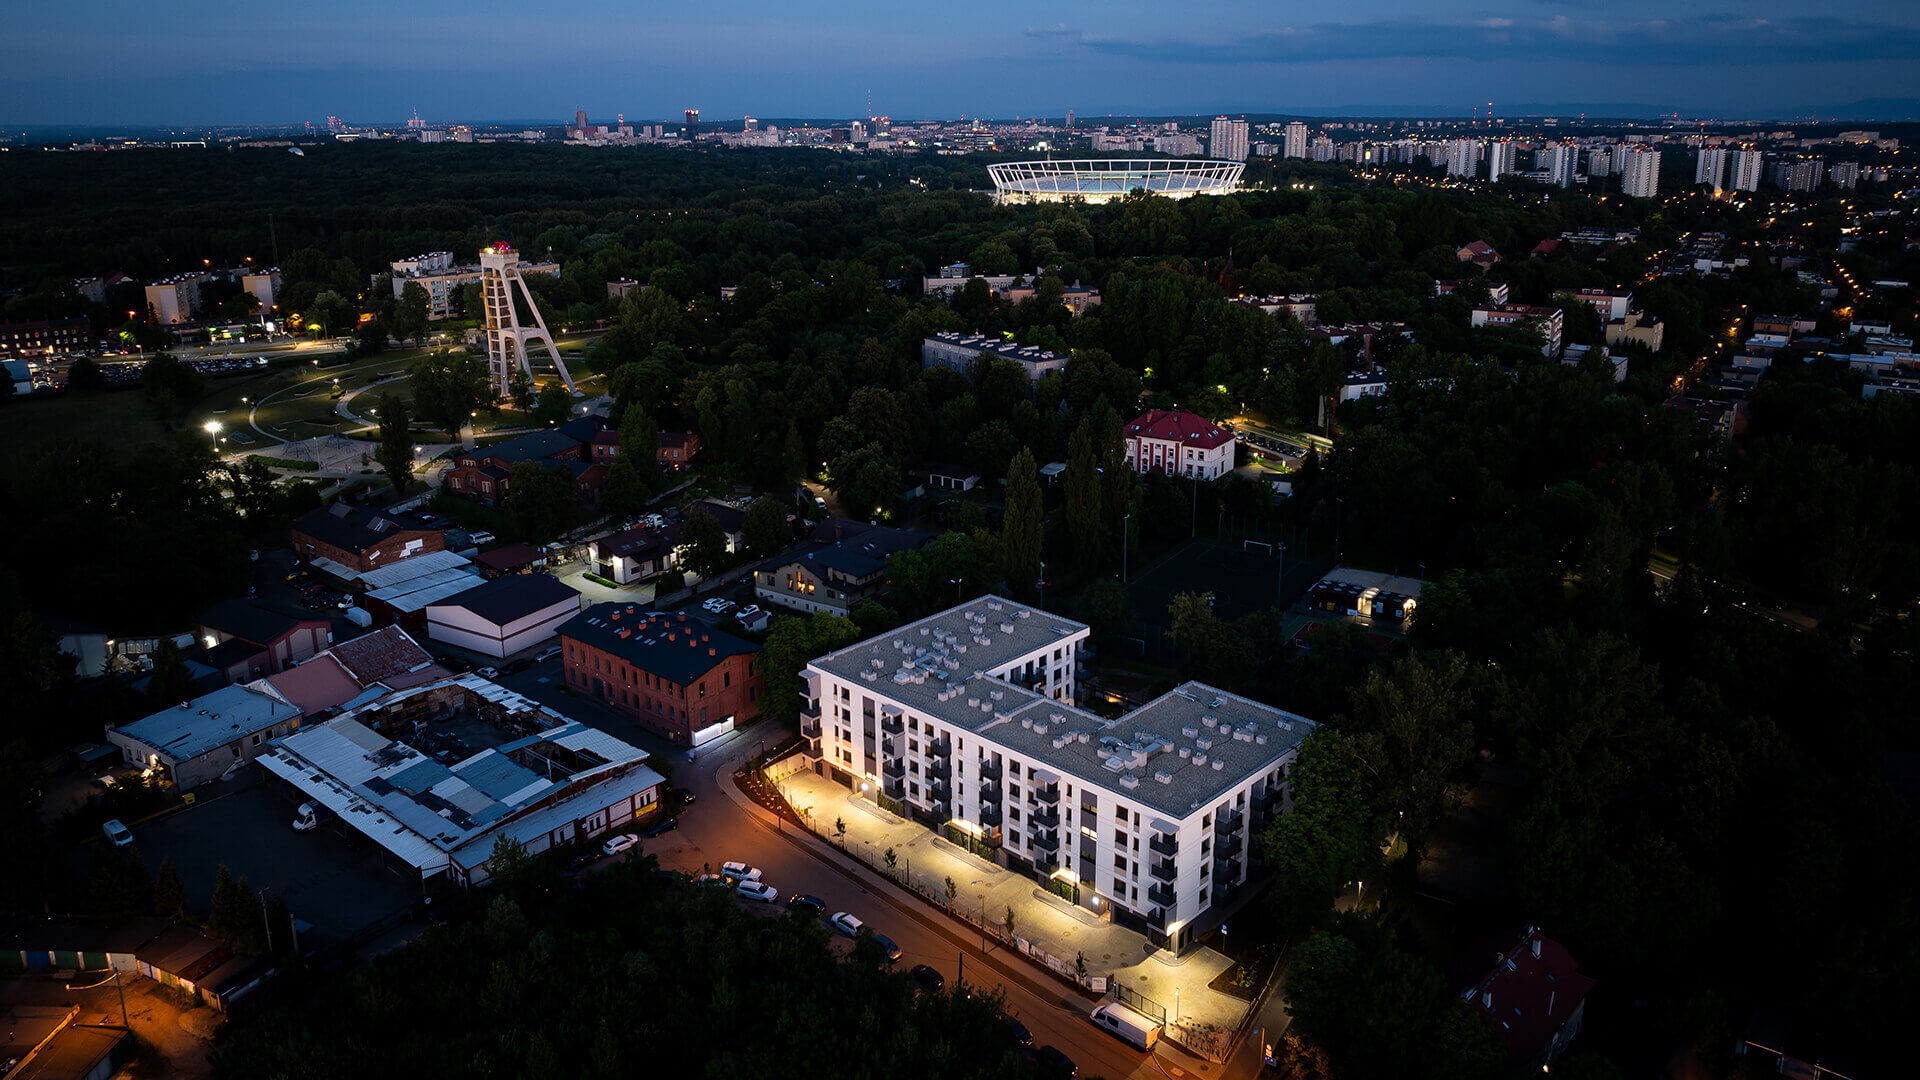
(117,62)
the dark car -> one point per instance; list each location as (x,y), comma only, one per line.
(810,906)
(1054,1063)
(682,794)
(516,667)
(661,828)
(929,979)
(887,945)
(582,861)
(1021,1036)
(673,876)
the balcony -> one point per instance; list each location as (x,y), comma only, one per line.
(1225,847)
(989,791)
(895,769)
(990,815)
(1229,822)
(1225,873)
(941,747)
(989,769)
(810,725)
(940,792)
(940,770)
(894,786)
(1164,870)
(1161,894)
(1047,794)
(1165,843)
(1045,862)
(1046,841)
(892,724)
(1044,819)
(1160,918)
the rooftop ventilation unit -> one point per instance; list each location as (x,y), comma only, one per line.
(1163,776)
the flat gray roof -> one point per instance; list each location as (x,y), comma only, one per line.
(981,635)
(211,721)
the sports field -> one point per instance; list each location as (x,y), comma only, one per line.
(1244,576)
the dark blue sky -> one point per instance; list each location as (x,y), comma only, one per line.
(220,61)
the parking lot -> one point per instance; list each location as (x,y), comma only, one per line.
(336,882)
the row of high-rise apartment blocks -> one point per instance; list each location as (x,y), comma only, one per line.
(966,721)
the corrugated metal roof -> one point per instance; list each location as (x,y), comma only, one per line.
(407,569)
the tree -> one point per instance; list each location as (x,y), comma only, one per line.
(255,491)
(370,338)
(1411,736)
(229,907)
(867,481)
(410,312)
(893,861)
(1084,524)
(509,868)
(1024,526)
(702,543)
(448,387)
(1331,836)
(765,528)
(396,443)
(953,889)
(171,388)
(1007,920)
(520,390)
(540,502)
(84,377)
(625,492)
(168,682)
(840,830)
(169,892)
(554,404)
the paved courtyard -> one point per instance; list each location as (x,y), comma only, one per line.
(1056,928)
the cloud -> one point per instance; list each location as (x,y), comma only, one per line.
(1690,42)
(1060,30)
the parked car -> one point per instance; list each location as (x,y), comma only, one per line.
(714,881)
(488,673)
(482,537)
(547,654)
(747,612)
(684,796)
(846,923)
(1021,1036)
(663,827)
(584,860)
(618,844)
(116,833)
(740,871)
(1054,1063)
(806,904)
(928,978)
(887,945)
(757,890)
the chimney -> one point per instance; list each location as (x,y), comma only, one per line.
(712,651)
(1486,999)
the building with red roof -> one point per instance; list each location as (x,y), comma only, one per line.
(1534,996)
(1179,443)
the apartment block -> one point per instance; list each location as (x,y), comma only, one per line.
(965,721)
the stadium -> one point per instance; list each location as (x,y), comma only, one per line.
(1101,180)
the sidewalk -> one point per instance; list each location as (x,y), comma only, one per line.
(1062,931)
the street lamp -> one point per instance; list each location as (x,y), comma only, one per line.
(213,430)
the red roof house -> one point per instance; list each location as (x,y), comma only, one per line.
(1534,996)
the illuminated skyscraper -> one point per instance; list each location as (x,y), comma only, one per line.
(1711,168)
(1499,160)
(1641,177)
(1296,140)
(507,340)
(693,124)
(1747,168)
(1228,141)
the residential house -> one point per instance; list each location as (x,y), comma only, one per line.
(1534,996)
(843,563)
(510,559)
(481,474)
(675,449)
(1637,328)
(363,669)
(634,554)
(1610,303)
(246,639)
(1479,253)
(342,537)
(677,677)
(963,352)
(1176,442)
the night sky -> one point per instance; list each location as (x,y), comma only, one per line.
(479,61)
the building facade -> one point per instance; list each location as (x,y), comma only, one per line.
(360,540)
(1640,179)
(1296,139)
(1710,168)
(1748,167)
(1550,320)
(961,352)
(436,273)
(1179,443)
(965,720)
(676,677)
(47,337)
(1227,139)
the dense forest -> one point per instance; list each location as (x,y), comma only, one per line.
(1709,803)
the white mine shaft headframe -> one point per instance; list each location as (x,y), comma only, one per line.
(507,340)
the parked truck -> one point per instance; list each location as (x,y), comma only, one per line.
(310,815)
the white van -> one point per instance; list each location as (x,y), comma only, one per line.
(1127,1024)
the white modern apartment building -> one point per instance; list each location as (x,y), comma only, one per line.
(1228,139)
(965,720)
(1560,159)
(1640,179)
(959,351)
(1296,140)
(1500,160)
(1179,443)
(1463,157)
(1710,168)
(176,299)
(265,287)
(1748,167)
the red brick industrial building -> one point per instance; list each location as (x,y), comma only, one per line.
(676,676)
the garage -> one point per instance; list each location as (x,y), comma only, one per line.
(501,617)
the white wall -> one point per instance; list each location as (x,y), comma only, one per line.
(457,626)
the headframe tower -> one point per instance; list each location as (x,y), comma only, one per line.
(507,340)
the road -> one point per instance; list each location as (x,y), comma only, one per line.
(717,829)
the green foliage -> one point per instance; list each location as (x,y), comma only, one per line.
(703,543)
(396,443)
(448,388)
(540,502)
(171,388)
(765,528)
(117,882)
(169,891)
(1024,527)
(792,642)
(1330,838)
(554,403)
